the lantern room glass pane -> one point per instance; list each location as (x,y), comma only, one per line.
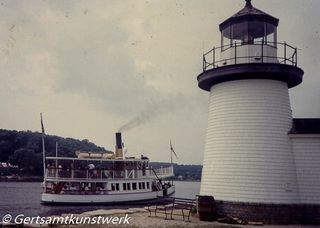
(256,32)
(226,38)
(240,33)
(271,34)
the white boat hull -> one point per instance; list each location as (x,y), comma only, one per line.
(49,198)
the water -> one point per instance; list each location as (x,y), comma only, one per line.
(24,198)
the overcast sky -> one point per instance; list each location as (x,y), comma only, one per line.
(92,66)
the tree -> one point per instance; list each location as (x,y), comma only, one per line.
(27,160)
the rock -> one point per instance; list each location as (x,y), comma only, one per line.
(230,220)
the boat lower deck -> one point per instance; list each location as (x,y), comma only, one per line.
(115,198)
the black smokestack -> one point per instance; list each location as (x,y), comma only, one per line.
(118,140)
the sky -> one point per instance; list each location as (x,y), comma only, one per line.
(91,67)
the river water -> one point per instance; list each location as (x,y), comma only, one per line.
(24,198)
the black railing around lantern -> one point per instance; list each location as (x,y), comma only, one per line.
(283,54)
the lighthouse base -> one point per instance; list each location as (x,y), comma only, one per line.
(270,213)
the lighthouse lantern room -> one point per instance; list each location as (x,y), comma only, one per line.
(252,33)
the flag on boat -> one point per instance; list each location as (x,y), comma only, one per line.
(43,149)
(42,127)
(172,150)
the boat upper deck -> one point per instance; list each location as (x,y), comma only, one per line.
(102,169)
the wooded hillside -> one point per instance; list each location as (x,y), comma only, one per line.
(24,148)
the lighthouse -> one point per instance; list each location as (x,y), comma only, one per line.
(251,166)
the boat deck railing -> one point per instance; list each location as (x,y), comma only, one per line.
(163,172)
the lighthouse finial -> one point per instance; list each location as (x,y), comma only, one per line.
(248,3)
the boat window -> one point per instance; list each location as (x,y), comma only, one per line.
(80,164)
(140,185)
(107,169)
(124,186)
(80,169)
(114,187)
(134,186)
(128,186)
(64,170)
(143,185)
(148,185)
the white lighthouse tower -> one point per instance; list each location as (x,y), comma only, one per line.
(248,159)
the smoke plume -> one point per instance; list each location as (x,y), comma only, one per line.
(153,110)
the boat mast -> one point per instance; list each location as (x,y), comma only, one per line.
(170,151)
(56,155)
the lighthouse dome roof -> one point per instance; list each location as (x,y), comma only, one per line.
(249,13)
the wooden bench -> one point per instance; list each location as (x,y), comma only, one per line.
(175,204)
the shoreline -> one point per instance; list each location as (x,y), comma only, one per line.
(22,179)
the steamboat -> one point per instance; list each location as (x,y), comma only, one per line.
(104,178)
